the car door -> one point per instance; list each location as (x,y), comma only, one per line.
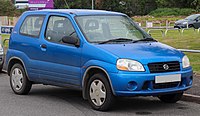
(28,41)
(197,23)
(60,62)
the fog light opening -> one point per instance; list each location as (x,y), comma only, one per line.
(132,85)
(191,81)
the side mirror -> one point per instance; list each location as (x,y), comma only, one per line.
(196,20)
(71,40)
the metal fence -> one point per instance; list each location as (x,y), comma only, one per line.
(188,50)
(164,31)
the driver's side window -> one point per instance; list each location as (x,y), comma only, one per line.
(198,19)
(57,28)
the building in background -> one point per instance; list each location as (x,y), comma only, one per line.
(34,4)
(21,4)
(40,4)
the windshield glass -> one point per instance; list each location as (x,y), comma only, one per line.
(107,27)
(191,17)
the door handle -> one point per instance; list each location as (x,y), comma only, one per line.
(43,47)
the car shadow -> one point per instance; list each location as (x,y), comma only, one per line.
(138,105)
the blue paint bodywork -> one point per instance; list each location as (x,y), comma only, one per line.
(63,65)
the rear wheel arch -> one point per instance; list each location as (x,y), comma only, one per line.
(90,71)
(12,62)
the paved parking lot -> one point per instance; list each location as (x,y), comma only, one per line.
(54,101)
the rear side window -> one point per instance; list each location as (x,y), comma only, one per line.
(32,26)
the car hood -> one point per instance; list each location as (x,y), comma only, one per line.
(144,52)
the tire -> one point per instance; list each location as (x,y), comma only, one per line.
(191,26)
(103,93)
(19,81)
(177,27)
(171,98)
(1,67)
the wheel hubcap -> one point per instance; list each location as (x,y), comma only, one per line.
(97,92)
(17,79)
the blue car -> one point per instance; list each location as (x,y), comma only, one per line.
(104,54)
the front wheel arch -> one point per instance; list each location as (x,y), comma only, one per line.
(89,73)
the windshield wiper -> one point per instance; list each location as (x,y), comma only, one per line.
(117,40)
(145,39)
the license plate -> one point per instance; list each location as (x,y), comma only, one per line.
(168,78)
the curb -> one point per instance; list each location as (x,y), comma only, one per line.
(191,98)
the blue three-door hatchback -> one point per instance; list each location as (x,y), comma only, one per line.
(104,54)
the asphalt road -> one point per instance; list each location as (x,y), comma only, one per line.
(54,101)
(195,86)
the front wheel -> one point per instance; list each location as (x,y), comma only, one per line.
(19,81)
(99,93)
(1,69)
(171,98)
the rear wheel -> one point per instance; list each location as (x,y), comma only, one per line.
(99,93)
(1,67)
(19,81)
(191,26)
(171,98)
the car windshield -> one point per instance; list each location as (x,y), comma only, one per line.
(106,28)
(191,17)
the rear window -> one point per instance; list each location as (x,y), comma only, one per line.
(32,26)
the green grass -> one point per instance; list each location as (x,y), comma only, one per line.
(3,38)
(188,40)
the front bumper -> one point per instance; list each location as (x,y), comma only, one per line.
(140,84)
(180,26)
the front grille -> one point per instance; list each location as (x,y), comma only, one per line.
(165,85)
(152,85)
(159,67)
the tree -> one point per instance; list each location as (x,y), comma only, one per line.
(65,4)
(130,7)
(196,5)
(7,8)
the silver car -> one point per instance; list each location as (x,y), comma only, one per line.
(1,57)
(192,21)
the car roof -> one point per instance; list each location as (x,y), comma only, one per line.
(78,12)
(195,15)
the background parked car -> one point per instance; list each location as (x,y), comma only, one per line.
(192,21)
(1,57)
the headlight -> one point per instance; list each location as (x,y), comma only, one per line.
(129,65)
(185,62)
(184,23)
